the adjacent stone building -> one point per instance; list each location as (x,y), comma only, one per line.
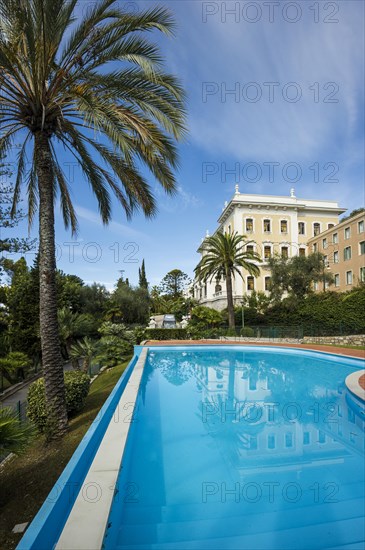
(343,247)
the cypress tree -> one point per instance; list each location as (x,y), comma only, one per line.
(143,283)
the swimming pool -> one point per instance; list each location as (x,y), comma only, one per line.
(255,448)
(228,447)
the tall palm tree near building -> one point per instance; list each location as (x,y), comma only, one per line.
(95,90)
(224,256)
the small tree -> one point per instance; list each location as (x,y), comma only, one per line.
(297,275)
(83,349)
(174,283)
(206,315)
(143,283)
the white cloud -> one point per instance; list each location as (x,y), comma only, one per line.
(304,53)
(113,226)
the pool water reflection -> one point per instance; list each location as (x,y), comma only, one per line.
(242,448)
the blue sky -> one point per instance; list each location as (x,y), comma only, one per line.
(275,100)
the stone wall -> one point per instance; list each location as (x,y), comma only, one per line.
(355,340)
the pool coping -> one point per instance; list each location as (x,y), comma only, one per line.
(90,514)
(345,352)
(46,526)
(352,382)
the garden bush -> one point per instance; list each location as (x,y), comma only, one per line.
(77,386)
(166,334)
(113,350)
(247,331)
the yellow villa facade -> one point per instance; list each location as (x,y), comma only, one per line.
(275,225)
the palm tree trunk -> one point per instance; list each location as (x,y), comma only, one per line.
(50,341)
(230,305)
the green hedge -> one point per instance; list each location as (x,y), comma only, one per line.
(77,386)
(166,334)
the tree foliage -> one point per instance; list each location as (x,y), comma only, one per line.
(224,256)
(174,283)
(9,245)
(142,278)
(60,86)
(296,275)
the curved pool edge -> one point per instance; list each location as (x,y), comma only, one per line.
(353,384)
(45,528)
(254,346)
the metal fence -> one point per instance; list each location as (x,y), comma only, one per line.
(296,332)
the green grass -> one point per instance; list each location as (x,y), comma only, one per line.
(26,481)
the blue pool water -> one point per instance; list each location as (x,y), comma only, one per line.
(242,448)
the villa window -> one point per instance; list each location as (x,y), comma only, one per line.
(337,279)
(306,438)
(362,247)
(229,230)
(314,247)
(301,251)
(347,232)
(288,439)
(335,238)
(249,225)
(301,228)
(249,248)
(284,252)
(330,225)
(218,288)
(316,229)
(347,253)
(362,274)
(267,226)
(336,258)
(250,283)
(324,243)
(267,252)
(321,437)
(283,226)
(315,285)
(271,441)
(349,277)
(267,283)
(360,226)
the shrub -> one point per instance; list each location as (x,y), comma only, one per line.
(247,331)
(15,436)
(166,334)
(113,350)
(77,386)
(206,315)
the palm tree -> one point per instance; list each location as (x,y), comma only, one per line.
(96,90)
(223,255)
(15,436)
(84,349)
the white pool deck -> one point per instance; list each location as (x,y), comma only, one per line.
(90,512)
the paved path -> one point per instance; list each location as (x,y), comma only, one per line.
(22,393)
